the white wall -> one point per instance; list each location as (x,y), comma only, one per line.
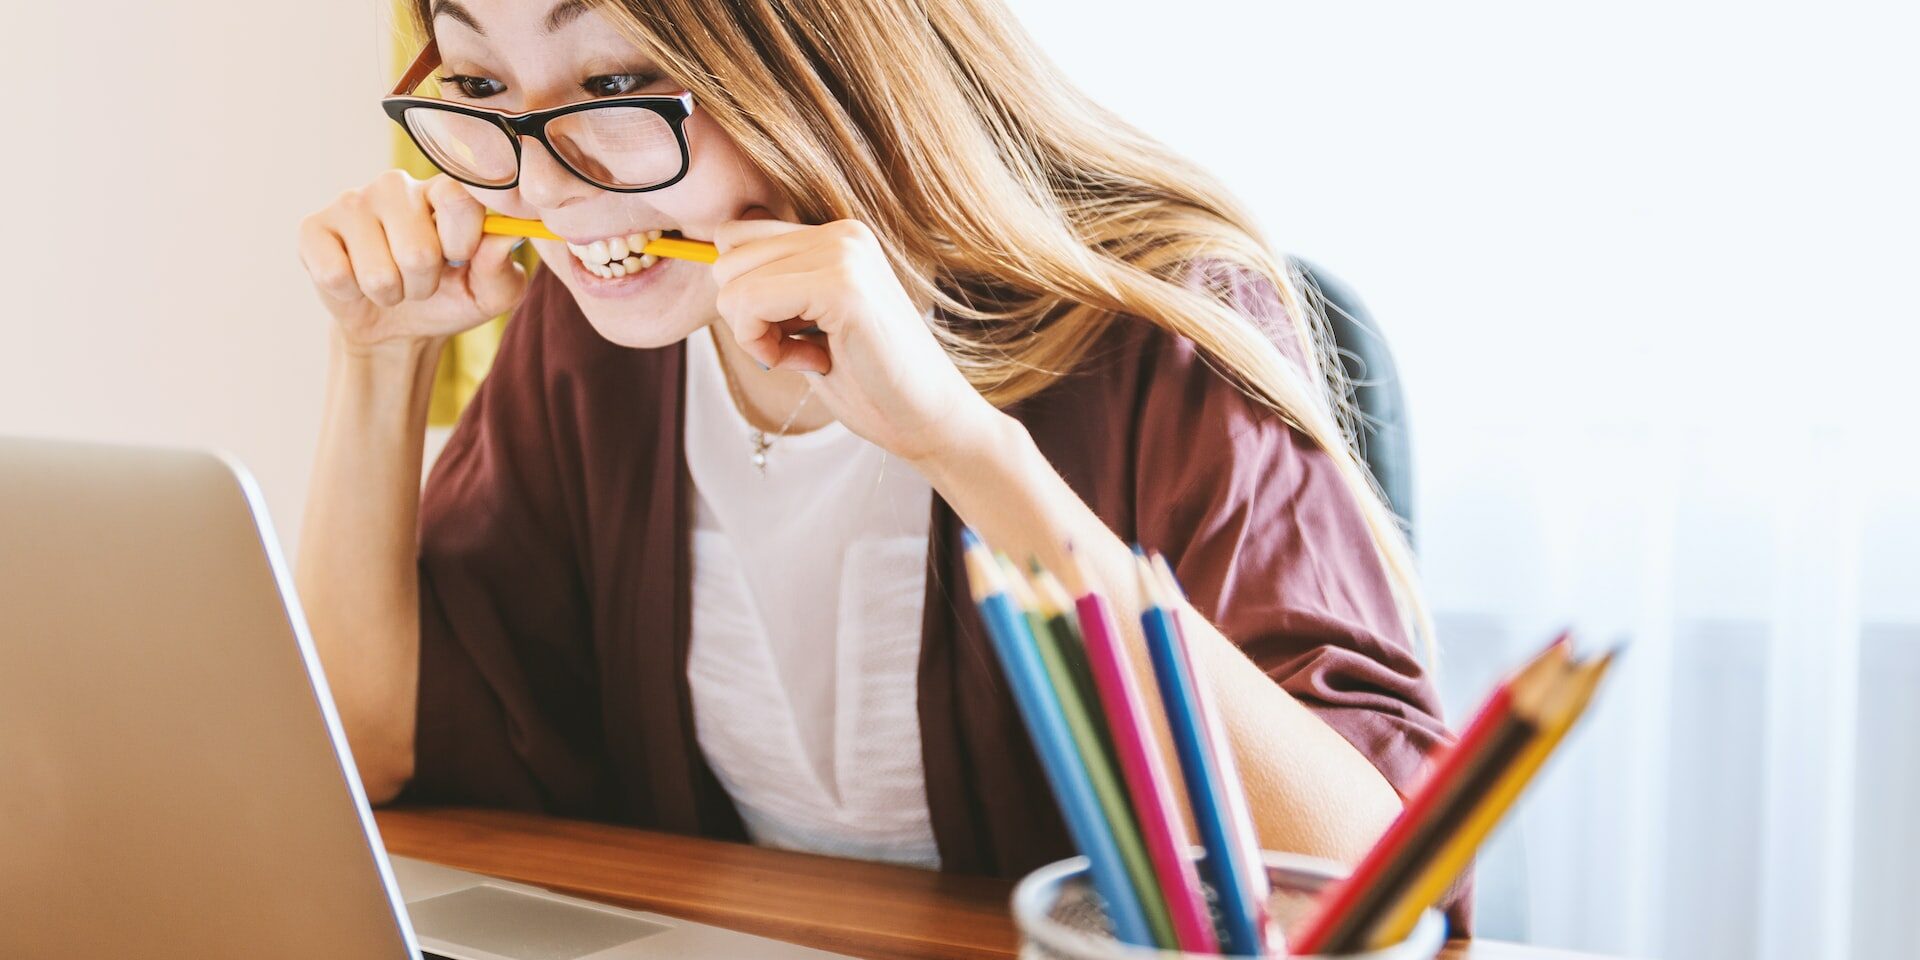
(158,159)
(1670,188)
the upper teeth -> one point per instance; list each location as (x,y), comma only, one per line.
(616,256)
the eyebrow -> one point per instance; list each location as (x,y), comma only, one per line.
(563,13)
(452,10)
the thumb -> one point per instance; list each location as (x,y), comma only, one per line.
(494,278)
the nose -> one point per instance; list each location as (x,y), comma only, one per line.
(544,182)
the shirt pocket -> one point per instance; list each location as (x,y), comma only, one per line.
(882,598)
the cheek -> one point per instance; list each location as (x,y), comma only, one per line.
(720,183)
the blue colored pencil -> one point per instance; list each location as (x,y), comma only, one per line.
(1033,693)
(1233,864)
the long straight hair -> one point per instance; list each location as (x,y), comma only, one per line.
(1005,197)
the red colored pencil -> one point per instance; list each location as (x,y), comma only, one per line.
(1340,909)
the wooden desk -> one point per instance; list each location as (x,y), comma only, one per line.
(847,906)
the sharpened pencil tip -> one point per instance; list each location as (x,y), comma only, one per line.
(1164,572)
(1149,585)
(983,575)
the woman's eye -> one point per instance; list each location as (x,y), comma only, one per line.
(615,84)
(473,88)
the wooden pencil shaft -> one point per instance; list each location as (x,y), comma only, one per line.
(1560,709)
(1509,744)
(1350,906)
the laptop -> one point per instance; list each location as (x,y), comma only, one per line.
(174,782)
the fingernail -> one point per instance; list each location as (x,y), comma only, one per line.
(456,263)
(517,244)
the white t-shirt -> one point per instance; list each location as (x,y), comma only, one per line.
(808,586)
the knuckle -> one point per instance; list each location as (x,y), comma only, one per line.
(447,190)
(380,285)
(852,231)
(415,260)
(851,241)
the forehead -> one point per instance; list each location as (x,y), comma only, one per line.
(504,24)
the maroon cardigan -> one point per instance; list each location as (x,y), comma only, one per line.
(555,583)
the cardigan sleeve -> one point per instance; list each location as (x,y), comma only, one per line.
(505,715)
(1270,544)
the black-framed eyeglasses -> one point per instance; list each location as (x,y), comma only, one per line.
(623,144)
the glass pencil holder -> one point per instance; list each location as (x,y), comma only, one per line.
(1059,918)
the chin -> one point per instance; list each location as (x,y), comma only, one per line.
(656,308)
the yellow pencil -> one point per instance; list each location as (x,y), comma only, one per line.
(676,247)
(1575,689)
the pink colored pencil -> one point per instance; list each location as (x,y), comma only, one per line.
(1161,825)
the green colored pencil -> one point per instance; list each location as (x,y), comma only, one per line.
(1052,631)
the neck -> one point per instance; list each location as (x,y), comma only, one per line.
(766,397)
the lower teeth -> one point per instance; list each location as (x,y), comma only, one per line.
(616,269)
(630,262)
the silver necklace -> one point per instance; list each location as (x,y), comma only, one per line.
(758,440)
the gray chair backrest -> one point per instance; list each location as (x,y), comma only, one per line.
(1382,429)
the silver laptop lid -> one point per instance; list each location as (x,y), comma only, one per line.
(173,780)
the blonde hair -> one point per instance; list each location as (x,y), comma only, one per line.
(1005,197)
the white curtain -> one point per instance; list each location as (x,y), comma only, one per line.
(1746,785)
(1648,270)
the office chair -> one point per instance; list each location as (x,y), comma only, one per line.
(1382,428)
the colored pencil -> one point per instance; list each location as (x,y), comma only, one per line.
(1141,764)
(1233,862)
(1456,807)
(1061,616)
(1039,708)
(1557,717)
(1342,911)
(678,248)
(1052,635)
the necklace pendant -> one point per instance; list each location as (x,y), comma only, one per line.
(760,445)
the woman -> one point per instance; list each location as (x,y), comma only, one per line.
(691,558)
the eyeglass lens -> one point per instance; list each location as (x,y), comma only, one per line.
(612,146)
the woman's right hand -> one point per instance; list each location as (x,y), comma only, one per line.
(379,256)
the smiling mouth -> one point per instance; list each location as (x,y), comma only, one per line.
(620,256)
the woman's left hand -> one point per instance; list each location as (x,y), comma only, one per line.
(880,369)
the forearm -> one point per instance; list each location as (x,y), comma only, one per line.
(356,571)
(1310,790)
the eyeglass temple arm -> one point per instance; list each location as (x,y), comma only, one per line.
(418,70)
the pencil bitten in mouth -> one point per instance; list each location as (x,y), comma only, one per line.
(618,256)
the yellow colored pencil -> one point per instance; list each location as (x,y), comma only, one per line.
(677,248)
(1453,857)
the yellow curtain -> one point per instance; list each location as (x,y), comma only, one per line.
(467,357)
